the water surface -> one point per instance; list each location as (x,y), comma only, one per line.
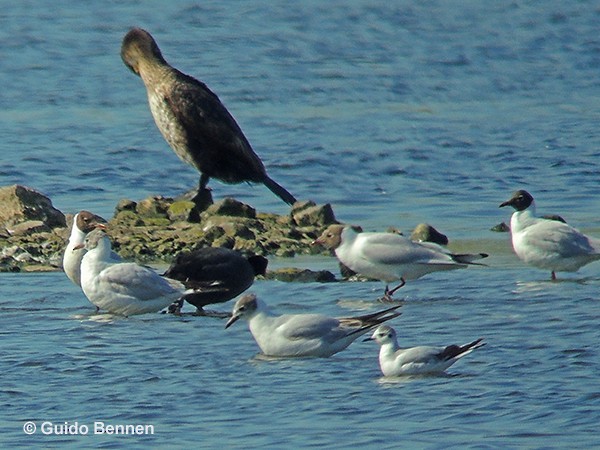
(395,114)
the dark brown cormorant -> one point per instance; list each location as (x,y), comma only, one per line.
(193,120)
(216,274)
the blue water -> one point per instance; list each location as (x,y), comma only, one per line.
(396,114)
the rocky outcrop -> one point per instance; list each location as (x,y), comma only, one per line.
(155,229)
(19,204)
(32,231)
(33,234)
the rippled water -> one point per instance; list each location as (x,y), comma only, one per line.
(396,114)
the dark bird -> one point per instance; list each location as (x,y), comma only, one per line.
(193,120)
(216,274)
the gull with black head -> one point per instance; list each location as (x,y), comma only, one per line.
(547,243)
(83,223)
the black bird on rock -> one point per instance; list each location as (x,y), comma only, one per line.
(193,120)
(217,274)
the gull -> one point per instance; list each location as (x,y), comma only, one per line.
(390,256)
(547,243)
(215,274)
(121,287)
(83,223)
(312,335)
(193,120)
(395,360)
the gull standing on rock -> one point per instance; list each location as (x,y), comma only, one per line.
(297,335)
(120,287)
(83,223)
(547,243)
(390,256)
(396,361)
(193,120)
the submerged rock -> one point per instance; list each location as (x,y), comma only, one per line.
(502,227)
(301,275)
(426,233)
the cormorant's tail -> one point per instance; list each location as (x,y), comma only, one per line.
(279,191)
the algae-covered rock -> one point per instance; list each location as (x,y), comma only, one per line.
(20,204)
(153,207)
(308,213)
(300,275)
(29,227)
(125,205)
(155,229)
(230,207)
(184,211)
(501,228)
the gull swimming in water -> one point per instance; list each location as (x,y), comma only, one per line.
(83,223)
(193,120)
(121,287)
(390,256)
(547,243)
(296,335)
(216,274)
(395,360)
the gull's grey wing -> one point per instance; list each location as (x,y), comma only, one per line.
(390,248)
(309,326)
(135,281)
(560,238)
(420,354)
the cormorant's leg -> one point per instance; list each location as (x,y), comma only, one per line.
(203,198)
(203,181)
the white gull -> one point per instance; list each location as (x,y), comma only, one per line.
(295,335)
(547,243)
(83,223)
(390,256)
(395,360)
(121,287)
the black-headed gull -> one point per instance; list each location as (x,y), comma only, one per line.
(120,287)
(83,223)
(395,360)
(297,335)
(547,243)
(216,274)
(390,256)
(193,120)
